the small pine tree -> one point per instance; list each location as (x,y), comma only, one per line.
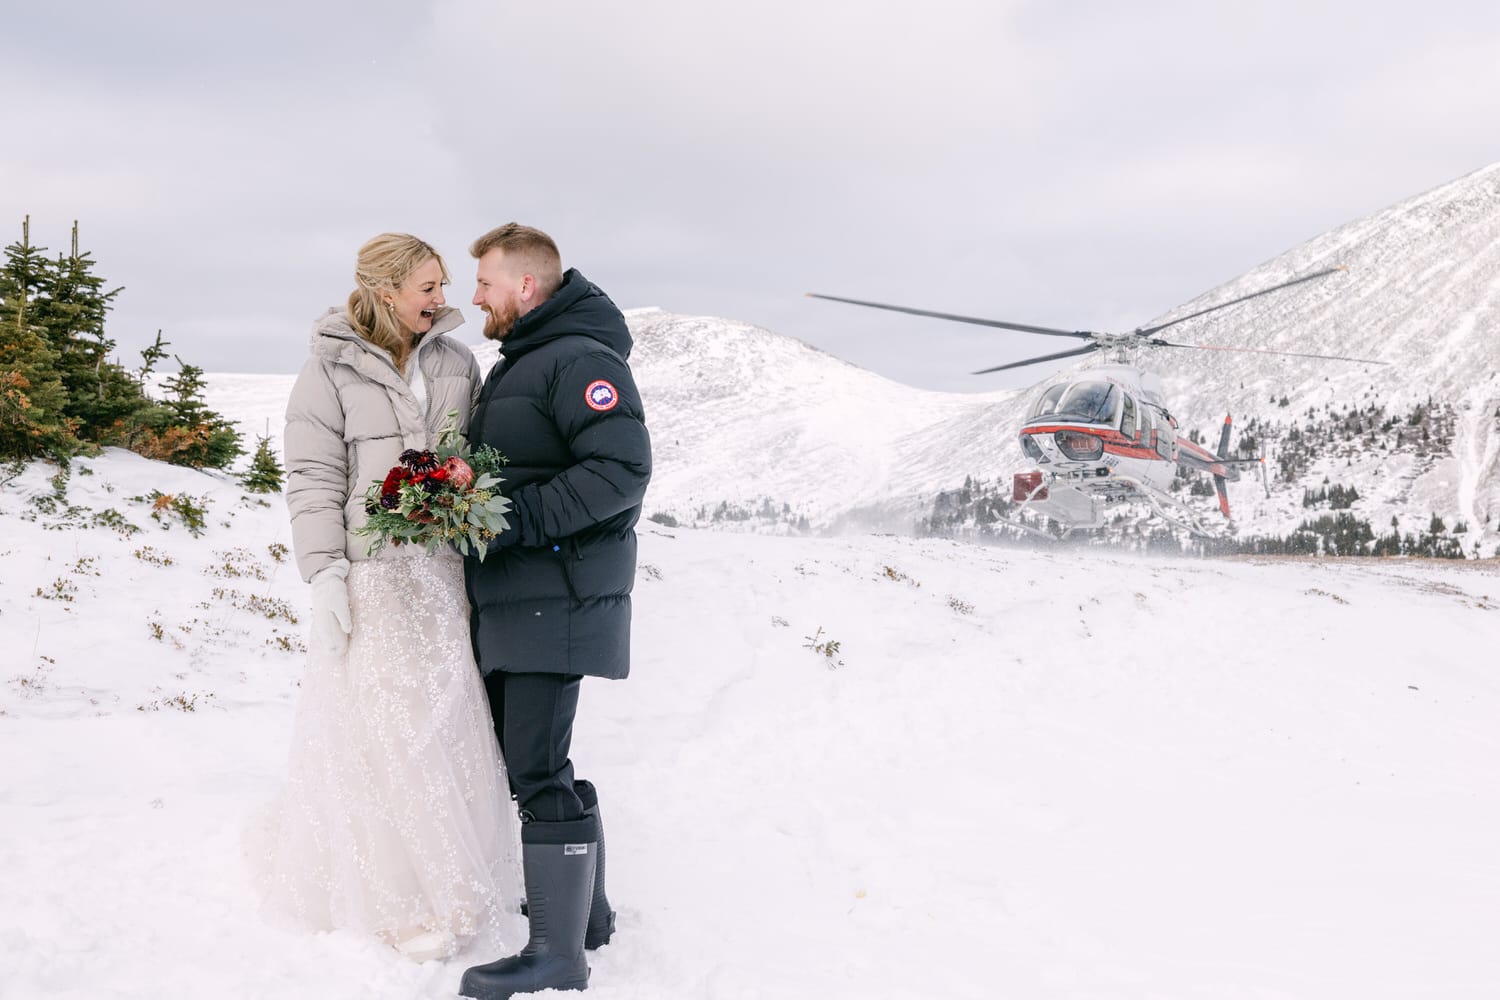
(203,437)
(33,399)
(181,429)
(265,474)
(72,310)
(151,355)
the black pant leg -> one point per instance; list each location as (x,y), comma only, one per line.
(536,736)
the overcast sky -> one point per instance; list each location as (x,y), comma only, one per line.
(1071,164)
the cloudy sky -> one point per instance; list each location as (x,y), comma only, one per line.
(1082,165)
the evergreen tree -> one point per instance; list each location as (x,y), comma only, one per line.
(33,419)
(71,308)
(192,434)
(265,474)
(151,356)
(185,393)
(179,429)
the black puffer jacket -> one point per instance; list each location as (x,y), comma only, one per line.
(553,594)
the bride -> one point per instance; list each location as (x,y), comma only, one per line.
(396,818)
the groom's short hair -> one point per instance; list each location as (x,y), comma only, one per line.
(529,248)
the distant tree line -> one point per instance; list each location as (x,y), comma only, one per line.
(981,510)
(62,395)
(1336,497)
(1344,534)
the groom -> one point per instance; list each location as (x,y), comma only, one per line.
(551,599)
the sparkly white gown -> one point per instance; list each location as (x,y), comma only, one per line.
(396,818)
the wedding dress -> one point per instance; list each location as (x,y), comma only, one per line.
(396,818)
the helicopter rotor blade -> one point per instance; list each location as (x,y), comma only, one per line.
(1147,331)
(1036,361)
(1049,331)
(1156,342)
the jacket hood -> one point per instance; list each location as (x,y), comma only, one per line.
(577,308)
(335,339)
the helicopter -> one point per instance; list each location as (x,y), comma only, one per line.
(1105,437)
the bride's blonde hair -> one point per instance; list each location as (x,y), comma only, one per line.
(383,265)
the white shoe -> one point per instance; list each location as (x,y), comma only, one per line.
(429,945)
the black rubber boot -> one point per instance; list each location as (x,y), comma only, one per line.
(558,860)
(601,917)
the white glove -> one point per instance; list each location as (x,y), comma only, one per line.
(331,622)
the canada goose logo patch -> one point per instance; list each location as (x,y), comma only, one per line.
(601,396)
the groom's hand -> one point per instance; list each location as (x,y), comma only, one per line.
(510,536)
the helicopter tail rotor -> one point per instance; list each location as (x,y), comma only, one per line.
(1218,478)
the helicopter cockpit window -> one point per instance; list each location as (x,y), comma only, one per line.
(1127,420)
(1092,402)
(1048,403)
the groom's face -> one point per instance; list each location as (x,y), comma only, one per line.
(500,293)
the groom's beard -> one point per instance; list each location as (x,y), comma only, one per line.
(498,324)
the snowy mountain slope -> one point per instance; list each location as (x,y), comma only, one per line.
(739,413)
(746,422)
(1421,293)
(994,777)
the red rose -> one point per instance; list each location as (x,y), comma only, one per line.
(440,474)
(393,480)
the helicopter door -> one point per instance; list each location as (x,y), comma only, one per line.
(1163,436)
(1154,434)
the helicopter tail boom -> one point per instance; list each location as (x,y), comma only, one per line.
(1221,466)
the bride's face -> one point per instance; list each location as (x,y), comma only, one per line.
(419,297)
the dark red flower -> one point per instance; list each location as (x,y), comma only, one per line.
(393,481)
(419,461)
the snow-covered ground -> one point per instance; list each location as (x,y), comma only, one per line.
(1007,773)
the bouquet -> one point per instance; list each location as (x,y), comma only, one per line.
(446,496)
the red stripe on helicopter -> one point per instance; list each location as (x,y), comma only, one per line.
(1209,462)
(1202,453)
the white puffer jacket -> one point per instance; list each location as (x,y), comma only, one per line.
(349,418)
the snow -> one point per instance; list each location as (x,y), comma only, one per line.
(858,766)
(1045,774)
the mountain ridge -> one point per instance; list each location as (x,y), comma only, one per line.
(745,420)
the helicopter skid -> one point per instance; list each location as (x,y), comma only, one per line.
(1081,502)
(1062,502)
(1175,512)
